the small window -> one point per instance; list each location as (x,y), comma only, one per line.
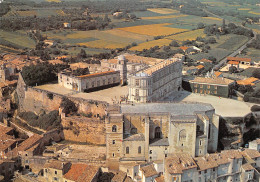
(127,150)
(200,142)
(139,150)
(113,142)
(113,154)
(114,128)
(55,172)
(151,151)
(137,83)
(165,155)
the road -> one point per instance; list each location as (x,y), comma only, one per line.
(236,52)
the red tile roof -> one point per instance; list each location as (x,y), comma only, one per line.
(177,163)
(5,129)
(233,62)
(184,48)
(239,59)
(98,74)
(81,172)
(205,61)
(149,171)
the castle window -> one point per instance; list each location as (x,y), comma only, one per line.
(113,154)
(55,172)
(137,83)
(139,150)
(200,142)
(133,131)
(136,92)
(113,142)
(157,132)
(127,150)
(151,151)
(209,131)
(114,129)
(182,135)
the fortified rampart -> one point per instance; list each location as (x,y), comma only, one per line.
(34,99)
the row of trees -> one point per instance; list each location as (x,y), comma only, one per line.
(230,28)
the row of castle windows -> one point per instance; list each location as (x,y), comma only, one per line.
(127,150)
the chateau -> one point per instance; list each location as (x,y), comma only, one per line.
(156,82)
(151,131)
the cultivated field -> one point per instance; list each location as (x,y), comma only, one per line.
(163,17)
(163,10)
(17,39)
(190,35)
(153,30)
(150,44)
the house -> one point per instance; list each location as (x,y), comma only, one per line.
(217,86)
(246,61)
(7,169)
(189,70)
(66,25)
(184,48)
(50,42)
(229,165)
(200,67)
(255,144)
(218,74)
(148,173)
(233,63)
(202,61)
(248,81)
(80,172)
(54,170)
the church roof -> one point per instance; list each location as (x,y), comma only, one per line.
(174,109)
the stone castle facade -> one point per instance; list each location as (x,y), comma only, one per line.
(156,82)
(151,131)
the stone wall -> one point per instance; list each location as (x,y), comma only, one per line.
(33,99)
(85,130)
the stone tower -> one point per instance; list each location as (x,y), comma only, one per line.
(121,66)
(4,73)
(114,136)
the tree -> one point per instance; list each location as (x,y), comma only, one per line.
(223,24)
(213,59)
(82,54)
(68,106)
(200,25)
(256,73)
(232,69)
(174,43)
(212,40)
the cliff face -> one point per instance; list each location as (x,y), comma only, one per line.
(84,130)
(236,132)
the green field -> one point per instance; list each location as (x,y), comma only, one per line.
(16,39)
(224,46)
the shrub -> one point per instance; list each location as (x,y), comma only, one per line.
(50,96)
(68,106)
(255,108)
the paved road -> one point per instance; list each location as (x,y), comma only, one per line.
(236,52)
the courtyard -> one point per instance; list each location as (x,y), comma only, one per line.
(224,106)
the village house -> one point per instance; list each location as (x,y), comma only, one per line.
(229,165)
(7,169)
(242,61)
(66,25)
(248,81)
(203,61)
(233,64)
(255,144)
